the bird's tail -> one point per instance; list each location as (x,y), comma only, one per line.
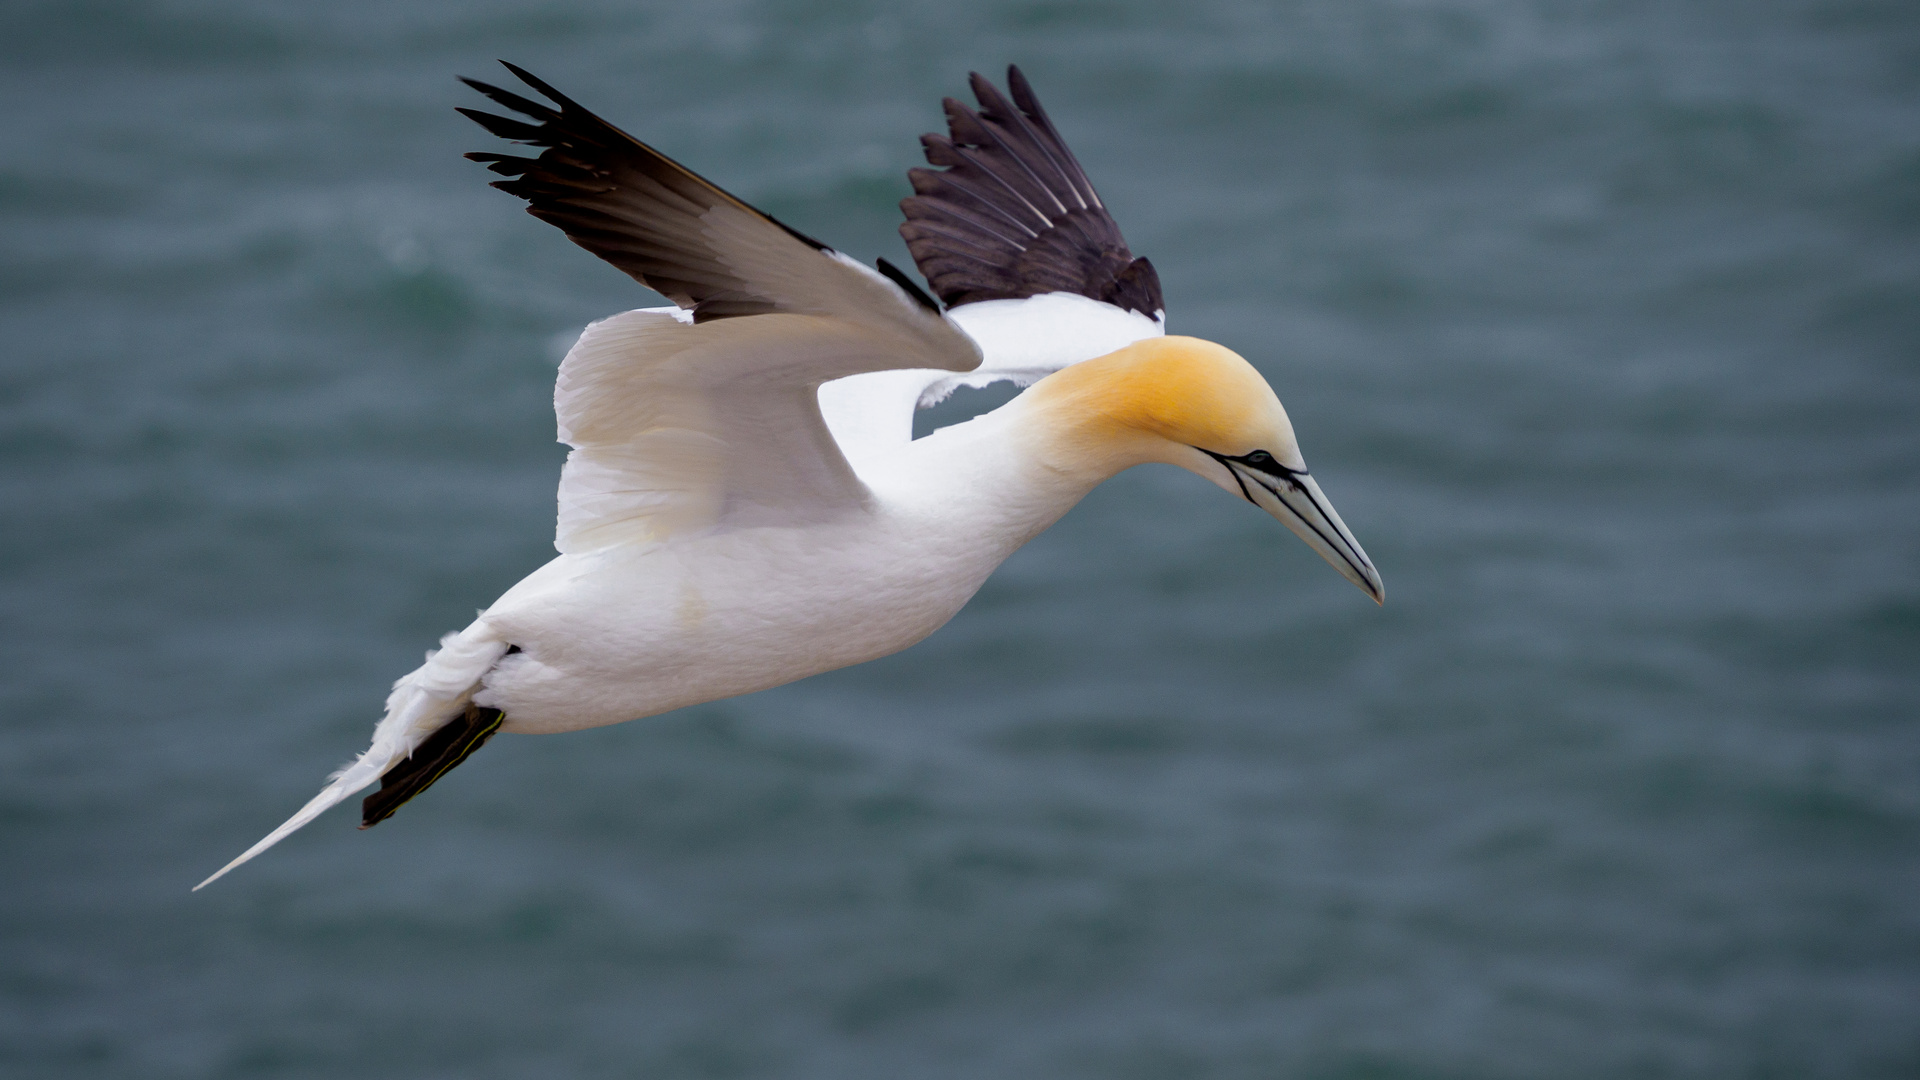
(421,704)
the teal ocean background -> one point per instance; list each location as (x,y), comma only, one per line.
(1599,322)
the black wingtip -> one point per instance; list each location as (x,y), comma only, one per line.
(504,164)
(513,101)
(1025,99)
(983,89)
(1137,288)
(1017,83)
(971,222)
(534,81)
(643,202)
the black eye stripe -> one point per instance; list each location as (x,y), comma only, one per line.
(1259,461)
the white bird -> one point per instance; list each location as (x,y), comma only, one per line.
(745,504)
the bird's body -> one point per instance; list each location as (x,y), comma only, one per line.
(745,504)
(636,630)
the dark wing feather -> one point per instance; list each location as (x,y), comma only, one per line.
(1009,213)
(620,199)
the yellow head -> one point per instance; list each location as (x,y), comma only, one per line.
(1201,406)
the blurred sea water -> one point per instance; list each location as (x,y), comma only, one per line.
(1599,322)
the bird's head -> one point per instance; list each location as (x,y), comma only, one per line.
(1201,406)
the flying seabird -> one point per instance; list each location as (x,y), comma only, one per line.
(745,504)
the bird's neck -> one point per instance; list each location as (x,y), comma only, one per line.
(1100,417)
(1007,475)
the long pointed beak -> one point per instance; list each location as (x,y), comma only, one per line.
(1292,496)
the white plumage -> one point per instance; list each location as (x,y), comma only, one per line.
(744,504)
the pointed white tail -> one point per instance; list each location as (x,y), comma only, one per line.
(421,703)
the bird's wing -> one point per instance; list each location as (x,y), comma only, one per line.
(1011,234)
(1011,214)
(706,415)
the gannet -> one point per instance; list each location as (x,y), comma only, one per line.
(745,504)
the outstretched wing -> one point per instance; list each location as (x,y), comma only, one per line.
(707,415)
(1011,214)
(1013,236)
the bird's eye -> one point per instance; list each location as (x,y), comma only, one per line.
(1258,457)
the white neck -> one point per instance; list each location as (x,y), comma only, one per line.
(989,480)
